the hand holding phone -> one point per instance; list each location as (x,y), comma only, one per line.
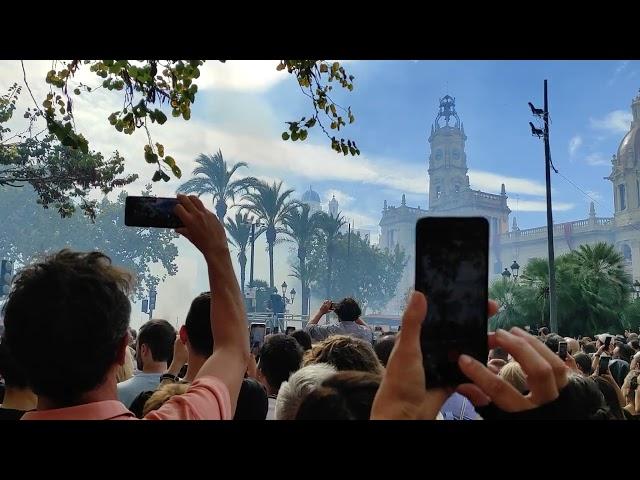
(156,212)
(562,350)
(603,365)
(452,257)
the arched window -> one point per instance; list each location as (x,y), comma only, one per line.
(626,252)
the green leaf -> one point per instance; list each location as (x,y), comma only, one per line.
(303,134)
(150,157)
(169,161)
(164,176)
(176,171)
(157,176)
(160,117)
(294,136)
(285,136)
(160,148)
(324,68)
(76,91)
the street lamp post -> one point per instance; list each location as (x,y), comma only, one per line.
(506,274)
(515,268)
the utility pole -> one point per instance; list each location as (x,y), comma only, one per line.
(553,300)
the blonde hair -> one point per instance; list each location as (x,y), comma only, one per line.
(513,374)
(344,353)
(125,371)
(162,394)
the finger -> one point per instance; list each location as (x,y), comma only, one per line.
(474,394)
(557,364)
(185,233)
(412,319)
(182,213)
(187,203)
(492,308)
(502,394)
(540,374)
(197,202)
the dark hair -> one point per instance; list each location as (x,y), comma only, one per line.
(589,347)
(303,338)
(584,362)
(159,336)
(383,347)
(634,344)
(498,353)
(583,400)
(344,353)
(253,403)
(626,352)
(198,325)
(9,370)
(348,310)
(619,370)
(610,397)
(280,356)
(552,341)
(343,396)
(543,331)
(65,322)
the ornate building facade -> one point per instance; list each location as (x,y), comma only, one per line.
(451,195)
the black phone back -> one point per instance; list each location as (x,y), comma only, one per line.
(151,212)
(452,257)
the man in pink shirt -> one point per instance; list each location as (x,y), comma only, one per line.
(67,321)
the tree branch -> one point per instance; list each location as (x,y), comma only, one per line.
(24,76)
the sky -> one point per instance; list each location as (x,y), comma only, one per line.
(241,107)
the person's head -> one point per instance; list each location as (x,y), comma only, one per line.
(573,346)
(345,353)
(514,375)
(155,343)
(67,324)
(552,341)
(610,397)
(584,399)
(383,348)
(498,353)
(303,338)
(196,332)
(589,347)
(583,361)
(133,335)
(619,369)
(10,371)
(630,386)
(543,332)
(496,364)
(348,310)
(343,396)
(280,356)
(162,394)
(253,403)
(635,346)
(623,352)
(125,371)
(293,391)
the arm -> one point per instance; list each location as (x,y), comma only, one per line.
(359,321)
(230,355)
(324,309)
(180,357)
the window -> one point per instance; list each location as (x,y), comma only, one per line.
(456,154)
(621,194)
(439,155)
(626,252)
(457,188)
(438,192)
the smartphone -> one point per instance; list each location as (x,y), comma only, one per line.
(452,269)
(562,350)
(290,330)
(151,212)
(257,332)
(607,342)
(603,366)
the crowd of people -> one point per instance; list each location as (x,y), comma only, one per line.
(68,352)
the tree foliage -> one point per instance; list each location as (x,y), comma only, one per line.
(27,233)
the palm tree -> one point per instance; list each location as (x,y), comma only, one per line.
(301,227)
(330,226)
(239,232)
(216,180)
(271,206)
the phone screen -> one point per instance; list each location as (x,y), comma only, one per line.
(452,271)
(562,350)
(257,333)
(603,366)
(607,342)
(151,212)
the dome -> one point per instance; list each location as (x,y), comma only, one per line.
(629,149)
(311,196)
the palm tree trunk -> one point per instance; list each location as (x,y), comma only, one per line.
(271,265)
(242,258)
(221,209)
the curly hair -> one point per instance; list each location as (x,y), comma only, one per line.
(66,320)
(344,353)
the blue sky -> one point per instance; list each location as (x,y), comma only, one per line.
(242,106)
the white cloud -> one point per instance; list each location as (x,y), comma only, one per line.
(616,122)
(343,198)
(595,195)
(574,144)
(619,69)
(596,159)
(538,205)
(255,75)
(491,182)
